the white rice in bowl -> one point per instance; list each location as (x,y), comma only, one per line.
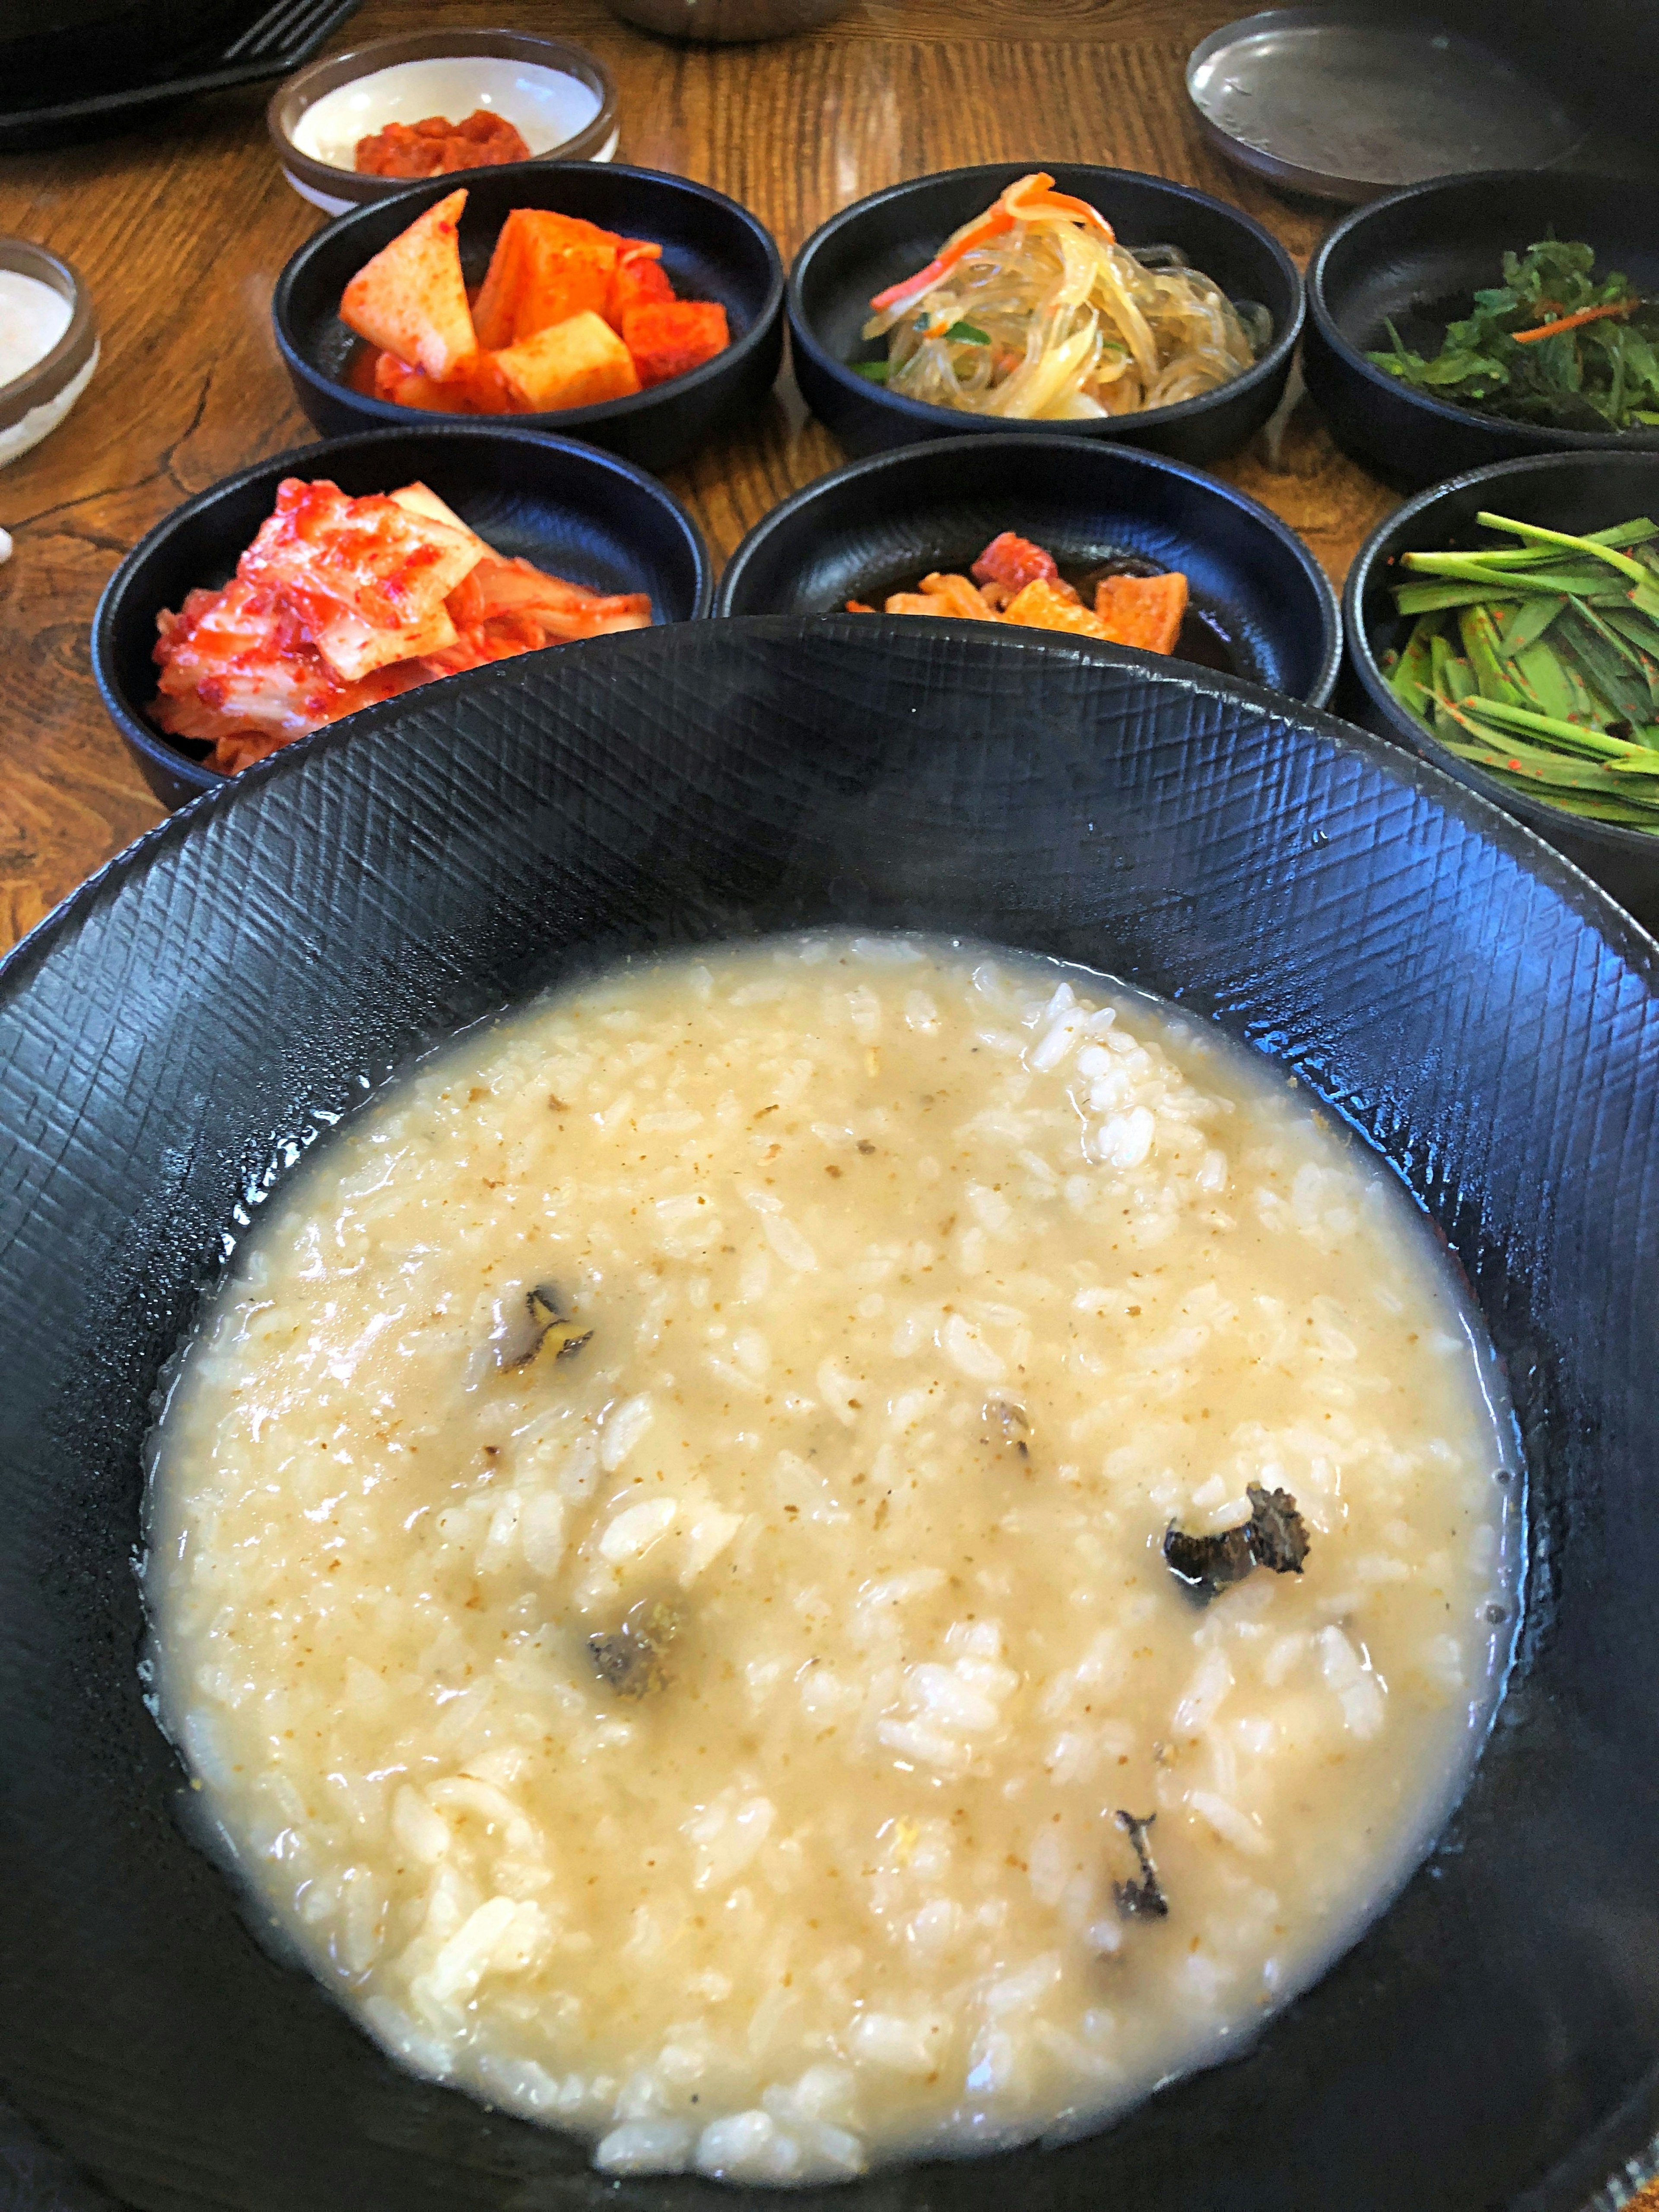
(664,1555)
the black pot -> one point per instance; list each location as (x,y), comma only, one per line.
(68,47)
(577,513)
(1264,609)
(1561,491)
(1416,259)
(893,233)
(713,249)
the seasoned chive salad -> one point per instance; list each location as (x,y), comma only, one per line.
(1539,663)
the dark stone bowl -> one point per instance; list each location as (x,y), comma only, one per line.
(1266,609)
(1417,259)
(872,244)
(578,513)
(1472,1007)
(713,249)
(1561,491)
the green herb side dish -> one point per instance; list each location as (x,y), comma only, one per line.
(1540,664)
(1552,345)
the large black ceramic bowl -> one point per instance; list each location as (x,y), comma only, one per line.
(1261,606)
(1417,259)
(893,233)
(713,249)
(1468,1004)
(1562,491)
(577,513)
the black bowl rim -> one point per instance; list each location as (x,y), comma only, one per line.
(136,728)
(1444,411)
(1087,451)
(1630,939)
(568,421)
(1611,835)
(923,411)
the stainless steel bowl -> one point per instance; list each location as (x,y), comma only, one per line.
(726,23)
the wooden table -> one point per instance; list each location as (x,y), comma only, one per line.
(180,228)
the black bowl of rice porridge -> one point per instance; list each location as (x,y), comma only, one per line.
(871,1387)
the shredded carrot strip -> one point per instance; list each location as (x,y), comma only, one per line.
(990,225)
(1573,322)
(1013,207)
(920,282)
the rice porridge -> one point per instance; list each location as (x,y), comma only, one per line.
(846,1548)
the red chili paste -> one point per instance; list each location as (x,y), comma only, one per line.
(435,146)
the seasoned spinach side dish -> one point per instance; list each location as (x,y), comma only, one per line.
(1553,345)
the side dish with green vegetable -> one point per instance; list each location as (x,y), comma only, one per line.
(1539,663)
(1553,345)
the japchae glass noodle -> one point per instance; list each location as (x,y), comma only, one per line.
(1033,311)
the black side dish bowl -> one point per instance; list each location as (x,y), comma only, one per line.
(713,249)
(1261,607)
(874,243)
(1471,1008)
(1416,259)
(1573,492)
(577,513)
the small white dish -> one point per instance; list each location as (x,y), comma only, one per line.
(561,100)
(34,402)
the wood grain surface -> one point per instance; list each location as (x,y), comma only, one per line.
(181,227)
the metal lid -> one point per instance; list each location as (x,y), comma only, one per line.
(1346,104)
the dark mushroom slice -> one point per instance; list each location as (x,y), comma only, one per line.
(1143,1899)
(1279,1535)
(1275,1536)
(545,1310)
(629,1657)
(1208,1564)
